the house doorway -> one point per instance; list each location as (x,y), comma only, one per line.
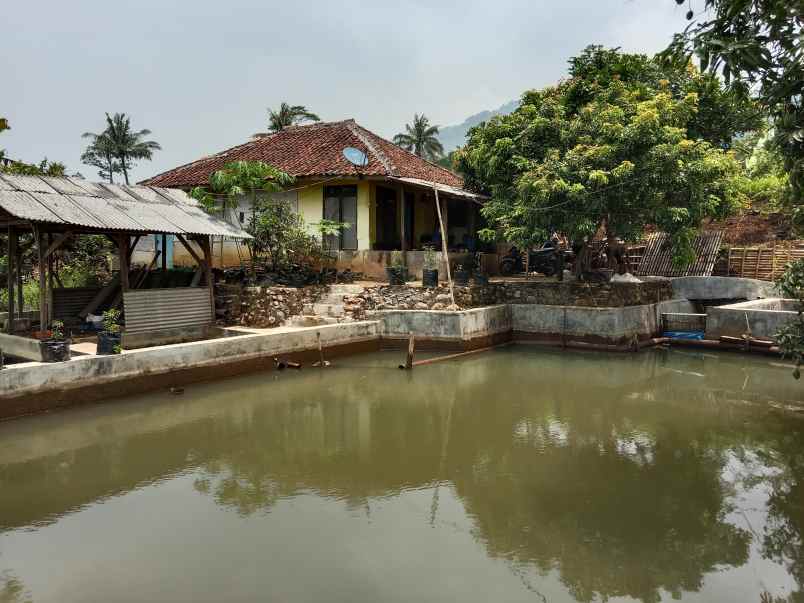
(340,205)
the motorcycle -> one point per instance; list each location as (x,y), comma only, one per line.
(549,260)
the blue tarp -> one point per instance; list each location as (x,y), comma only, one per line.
(684,334)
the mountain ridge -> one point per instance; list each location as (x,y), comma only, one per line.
(454,136)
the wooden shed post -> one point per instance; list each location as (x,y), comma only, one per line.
(122,246)
(20,293)
(12,256)
(42,257)
(207,249)
(164,252)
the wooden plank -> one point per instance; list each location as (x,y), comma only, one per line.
(100,297)
(60,240)
(190,250)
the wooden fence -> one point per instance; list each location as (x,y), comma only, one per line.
(764,263)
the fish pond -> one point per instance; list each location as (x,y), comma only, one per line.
(520,474)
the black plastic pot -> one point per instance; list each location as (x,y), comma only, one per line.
(397,275)
(55,350)
(430,278)
(108,343)
(481,279)
(461,278)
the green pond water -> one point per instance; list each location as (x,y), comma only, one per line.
(515,475)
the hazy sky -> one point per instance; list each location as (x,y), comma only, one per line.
(200,74)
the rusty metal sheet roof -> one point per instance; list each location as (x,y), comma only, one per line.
(101,206)
(658,257)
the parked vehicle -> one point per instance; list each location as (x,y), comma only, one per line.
(548,260)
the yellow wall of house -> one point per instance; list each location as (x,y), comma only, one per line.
(311,207)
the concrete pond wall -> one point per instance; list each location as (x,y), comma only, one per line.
(721,287)
(761,318)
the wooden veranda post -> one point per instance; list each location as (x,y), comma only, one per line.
(12,255)
(403,234)
(164,253)
(444,248)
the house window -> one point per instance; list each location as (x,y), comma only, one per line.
(340,205)
(242,217)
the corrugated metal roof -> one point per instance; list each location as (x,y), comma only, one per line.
(73,201)
(22,205)
(658,257)
(443,188)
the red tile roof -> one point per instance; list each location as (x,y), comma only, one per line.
(314,150)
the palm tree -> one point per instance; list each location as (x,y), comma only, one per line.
(421,138)
(289,115)
(118,146)
(129,144)
(101,154)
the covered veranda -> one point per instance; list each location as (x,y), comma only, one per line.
(46,212)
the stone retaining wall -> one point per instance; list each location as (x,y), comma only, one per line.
(271,306)
(547,293)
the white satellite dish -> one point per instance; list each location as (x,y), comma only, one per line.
(355,156)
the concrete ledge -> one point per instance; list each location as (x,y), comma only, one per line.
(445,326)
(21,347)
(721,287)
(763,318)
(40,386)
(599,325)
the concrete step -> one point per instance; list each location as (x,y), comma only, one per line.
(328,309)
(346,289)
(312,321)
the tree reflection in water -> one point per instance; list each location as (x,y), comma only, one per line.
(615,480)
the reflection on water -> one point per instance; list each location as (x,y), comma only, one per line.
(515,475)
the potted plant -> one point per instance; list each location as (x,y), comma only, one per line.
(109,337)
(461,275)
(430,268)
(397,272)
(56,348)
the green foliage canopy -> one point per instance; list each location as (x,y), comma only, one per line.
(758,47)
(612,147)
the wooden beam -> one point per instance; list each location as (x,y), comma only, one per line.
(131,246)
(164,253)
(190,250)
(12,256)
(60,240)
